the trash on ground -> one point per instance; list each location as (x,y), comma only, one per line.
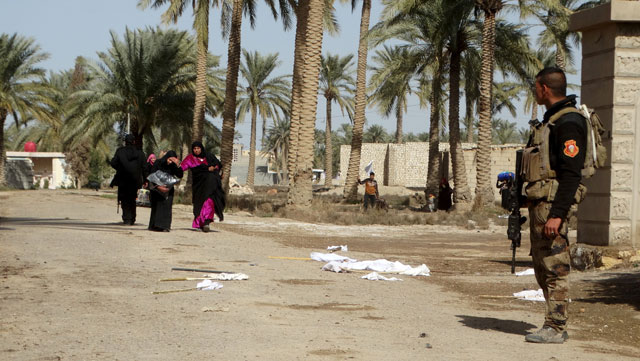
(339,264)
(330,257)
(227,276)
(374,276)
(527,272)
(338,248)
(208,285)
(530,295)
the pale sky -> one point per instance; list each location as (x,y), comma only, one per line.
(69,28)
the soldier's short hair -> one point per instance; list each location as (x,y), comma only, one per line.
(555,79)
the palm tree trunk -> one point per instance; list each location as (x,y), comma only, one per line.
(300,192)
(461,194)
(433,170)
(229,112)
(197,128)
(399,118)
(328,149)
(351,183)
(469,118)
(3,154)
(560,57)
(484,190)
(252,147)
(302,13)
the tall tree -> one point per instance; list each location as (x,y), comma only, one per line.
(23,91)
(233,64)
(301,9)
(277,145)
(336,85)
(147,77)
(307,69)
(484,189)
(201,27)
(391,83)
(261,94)
(351,184)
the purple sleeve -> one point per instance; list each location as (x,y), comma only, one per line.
(189,162)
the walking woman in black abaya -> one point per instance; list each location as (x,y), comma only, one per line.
(162,195)
(208,196)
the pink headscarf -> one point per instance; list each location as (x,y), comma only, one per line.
(151,159)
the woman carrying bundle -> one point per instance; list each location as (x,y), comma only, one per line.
(207,194)
(162,194)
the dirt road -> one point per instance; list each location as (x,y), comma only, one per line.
(77,285)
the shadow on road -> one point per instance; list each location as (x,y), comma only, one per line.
(495,324)
(62,223)
(614,288)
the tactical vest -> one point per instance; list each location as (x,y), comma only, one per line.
(536,162)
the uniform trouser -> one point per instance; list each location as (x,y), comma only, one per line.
(369,200)
(551,263)
(127,197)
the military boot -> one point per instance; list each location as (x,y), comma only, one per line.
(547,335)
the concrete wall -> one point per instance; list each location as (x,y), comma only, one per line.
(611,84)
(406,164)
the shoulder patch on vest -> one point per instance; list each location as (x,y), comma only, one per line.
(571,148)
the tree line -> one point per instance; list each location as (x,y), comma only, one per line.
(159,84)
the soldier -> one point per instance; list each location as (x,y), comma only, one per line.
(552,166)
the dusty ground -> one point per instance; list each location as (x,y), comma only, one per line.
(76,285)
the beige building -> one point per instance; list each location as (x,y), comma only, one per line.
(406,164)
(48,168)
(610,215)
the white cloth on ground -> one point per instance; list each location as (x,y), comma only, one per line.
(527,272)
(530,295)
(338,248)
(208,285)
(374,276)
(329,257)
(380,265)
(227,276)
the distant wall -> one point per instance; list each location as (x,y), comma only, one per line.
(406,164)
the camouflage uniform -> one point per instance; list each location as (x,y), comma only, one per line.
(551,263)
(553,190)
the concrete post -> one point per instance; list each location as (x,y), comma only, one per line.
(611,84)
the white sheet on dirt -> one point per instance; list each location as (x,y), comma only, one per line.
(227,276)
(338,248)
(208,285)
(374,276)
(330,257)
(342,264)
(530,295)
(527,272)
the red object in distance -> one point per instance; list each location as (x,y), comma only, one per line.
(30,147)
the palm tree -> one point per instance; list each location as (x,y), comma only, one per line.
(201,27)
(23,91)
(351,186)
(306,72)
(301,10)
(277,144)
(337,85)
(391,83)
(376,134)
(231,26)
(261,95)
(147,77)
(484,190)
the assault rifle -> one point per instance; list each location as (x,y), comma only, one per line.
(510,185)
